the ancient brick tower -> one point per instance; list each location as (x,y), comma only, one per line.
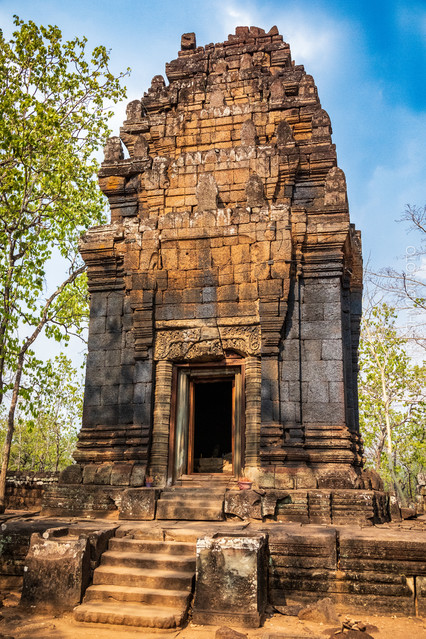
(226,292)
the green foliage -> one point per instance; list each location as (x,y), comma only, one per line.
(53,112)
(49,415)
(53,119)
(392,402)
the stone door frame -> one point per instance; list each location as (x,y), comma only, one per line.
(184,377)
(162,457)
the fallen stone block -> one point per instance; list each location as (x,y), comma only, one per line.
(394,509)
(231,583)
(56,572)
(408,513)
(245,504)
(15,536)
(421,595)
(323,611)
(271,499)
(289,611)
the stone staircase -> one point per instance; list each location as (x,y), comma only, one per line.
(141,582)
(195,498)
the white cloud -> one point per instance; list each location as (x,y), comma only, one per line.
(316,39)
(237,14)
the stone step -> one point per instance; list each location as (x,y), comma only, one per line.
(130,615)
(209,477)
(143,577)
(202,485)
(127,544)
(183,500)
(218,490)
(186,511)
(113,593)
(156,560)
(194,496)
(141,582)
(195,490)
(205,485)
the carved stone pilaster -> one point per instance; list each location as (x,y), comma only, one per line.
(253,378)
(142,328)
(160,433)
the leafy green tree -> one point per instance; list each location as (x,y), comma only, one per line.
(53,119)
(392,402)
(47,418)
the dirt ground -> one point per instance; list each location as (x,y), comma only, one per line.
(19,624)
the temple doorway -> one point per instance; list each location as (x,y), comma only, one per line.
(207,430)
(211,426)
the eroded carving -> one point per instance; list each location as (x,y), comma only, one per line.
(113,150)
(188,344)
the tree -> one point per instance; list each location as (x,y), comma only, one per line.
(48,415)
(53,119)
(413,286)
(392,402)
(407,287)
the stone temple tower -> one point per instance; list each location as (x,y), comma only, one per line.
(226,291)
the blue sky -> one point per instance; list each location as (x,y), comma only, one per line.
(368,58)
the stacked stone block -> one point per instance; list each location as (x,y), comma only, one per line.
(367,569)
(229,236)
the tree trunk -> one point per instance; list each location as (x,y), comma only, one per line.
(379,449)
(17,384)
(388,426)
(9,434)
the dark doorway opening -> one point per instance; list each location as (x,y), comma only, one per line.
(212,427)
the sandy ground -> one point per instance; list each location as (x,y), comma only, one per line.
(19,624)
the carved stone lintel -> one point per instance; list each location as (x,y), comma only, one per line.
(246,339)
(191,344)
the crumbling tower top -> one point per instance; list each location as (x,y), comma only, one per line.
(243,93)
